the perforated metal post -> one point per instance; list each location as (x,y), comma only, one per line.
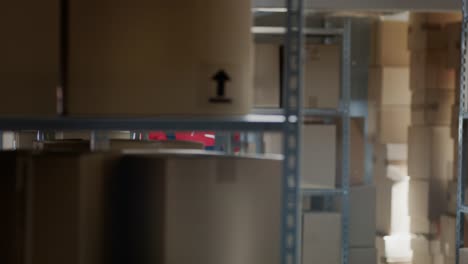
(461,164)
(345,105)
(292,102)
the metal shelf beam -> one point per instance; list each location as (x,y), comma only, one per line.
(321,192)
(235,123)
(310,112)
(463,209)
(323,32)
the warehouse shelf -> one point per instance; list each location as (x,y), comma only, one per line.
(342,113)
(235,123)
(321,192)
(288,121)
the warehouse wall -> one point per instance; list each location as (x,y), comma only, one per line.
(420,5)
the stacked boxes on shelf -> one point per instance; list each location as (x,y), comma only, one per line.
(389,104)
(390,115)
(98,202)
(433,83)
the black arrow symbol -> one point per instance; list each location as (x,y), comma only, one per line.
(221,77)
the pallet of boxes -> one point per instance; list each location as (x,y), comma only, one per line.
(433,83)
(402,208)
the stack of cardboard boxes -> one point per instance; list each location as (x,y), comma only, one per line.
(433,83)
(401,202)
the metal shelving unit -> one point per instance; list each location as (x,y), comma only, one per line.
(342,113)
(287,121)
(462,164)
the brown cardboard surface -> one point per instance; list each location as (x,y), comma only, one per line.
(393,124)
(163,208)
(67,208)
(123,66)
(30,57)
(402,206)
(447,235)
(362,216)
(464,256)
(454,42)
(322,76)
(203,209)
(267,75)
(357,149)
(389,44)
(15,169)
(430,70)
(431,158)
(429,146)
(428,30)
(321,236)
(362,255)
(432,107)
(319,156)
(389,85)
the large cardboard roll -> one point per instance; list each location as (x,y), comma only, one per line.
(153,57)
(29,57)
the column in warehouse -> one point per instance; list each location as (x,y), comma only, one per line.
(389,101)
(430,141)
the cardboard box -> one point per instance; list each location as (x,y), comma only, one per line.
(319,156)
(393,154)
(362,256)
(68,192)
(430,146)
(8,140)
(321,241)
(421,250)
(389,85)
(30,58)
(393,124)
(389,44)
(387,124)
(398,248)
(430,70)
(464,256)
(186,196)
(322,76)
(267,75)
(357,154)
(140,67)
(454,53)
(362,225)
(402,207)
(447,235)
(15,171)
(432,107)
(438,259)
(380,246)
(428,30)
(431,158)
(273,143)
